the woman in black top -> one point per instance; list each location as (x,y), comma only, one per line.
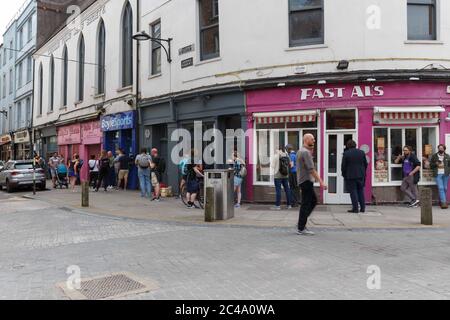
(103,171)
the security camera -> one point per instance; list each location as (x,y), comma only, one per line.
(130,102)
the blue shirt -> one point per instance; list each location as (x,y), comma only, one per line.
(293,157)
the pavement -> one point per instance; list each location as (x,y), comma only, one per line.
(129,204)
(40,240)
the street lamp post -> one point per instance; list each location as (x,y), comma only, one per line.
(144,36)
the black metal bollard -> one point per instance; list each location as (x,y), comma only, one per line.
(85,194)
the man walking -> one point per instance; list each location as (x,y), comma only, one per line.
(307,175)
(411,175)
(440,164)
(354,168)
(143,162)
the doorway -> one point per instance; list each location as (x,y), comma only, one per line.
(334,150)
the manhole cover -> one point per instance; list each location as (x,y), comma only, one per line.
(109,287)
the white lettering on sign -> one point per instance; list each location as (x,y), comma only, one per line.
(330,93)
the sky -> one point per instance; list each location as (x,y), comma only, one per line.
(7,11)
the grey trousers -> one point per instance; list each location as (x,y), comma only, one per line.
(410,188)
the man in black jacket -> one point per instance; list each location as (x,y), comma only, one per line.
(354,168)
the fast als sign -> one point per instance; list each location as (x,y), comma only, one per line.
(118,121)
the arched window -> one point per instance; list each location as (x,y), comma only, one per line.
(65,75)
(81,60)
(41,89)
(101,53)
(52,83)
(127,46)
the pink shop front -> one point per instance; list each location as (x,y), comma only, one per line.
(381,118)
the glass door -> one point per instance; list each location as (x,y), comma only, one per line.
(335,147)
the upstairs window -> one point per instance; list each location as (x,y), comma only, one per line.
(101,54)
(81,60)
(41,89)
(127,46)
(306,22)
(209,29)
(422,20)
(65,75)
(156,48)
(52,84)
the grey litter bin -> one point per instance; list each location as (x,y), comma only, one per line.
(222,180)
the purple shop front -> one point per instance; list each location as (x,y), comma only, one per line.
(380,117)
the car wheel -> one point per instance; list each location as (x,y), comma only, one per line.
(1,187)
(9,188)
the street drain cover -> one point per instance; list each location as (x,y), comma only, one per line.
(109,287)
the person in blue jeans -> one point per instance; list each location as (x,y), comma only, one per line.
(143,163)
(440,164)
(281,167)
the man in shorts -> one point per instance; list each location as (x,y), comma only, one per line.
(124,169)
(53,164)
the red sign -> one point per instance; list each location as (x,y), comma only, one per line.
(91,132)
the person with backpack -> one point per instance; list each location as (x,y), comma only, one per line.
(240,172)
(281,167)
(93,171)
(143,162)
(293,182)
(411,175)
(104,170)
(183,171)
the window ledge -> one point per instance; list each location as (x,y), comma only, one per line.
(208,61)
(307,47)
(39,116)
(153,76)
(129,88)
(78,102)
(424,42)
(64,108)
(98,96)
(49,113)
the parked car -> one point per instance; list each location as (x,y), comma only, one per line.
(19,174)
(2,165)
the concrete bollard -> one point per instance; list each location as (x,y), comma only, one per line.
(85,194)
(209,205)
(426,200)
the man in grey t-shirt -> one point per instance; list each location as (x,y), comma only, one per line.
(307,175)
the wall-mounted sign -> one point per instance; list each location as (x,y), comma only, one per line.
(186,49)
(187,63)
(5,139)
(22,137)
(119,121)
(330,93)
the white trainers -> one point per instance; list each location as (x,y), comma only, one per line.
(305,232)
(276,208)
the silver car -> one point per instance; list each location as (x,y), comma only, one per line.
(2,165)
(19,174)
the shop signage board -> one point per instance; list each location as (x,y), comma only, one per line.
(91,132)
(5,139)
(341,92)
(21,137)
(119,121)
(69,135)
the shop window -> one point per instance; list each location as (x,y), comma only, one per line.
(388,145)
(270,137)
(341,120)
(429,147)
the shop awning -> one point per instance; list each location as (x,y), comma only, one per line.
(392,114)
(285,117)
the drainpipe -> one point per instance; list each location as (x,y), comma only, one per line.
(138,56)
